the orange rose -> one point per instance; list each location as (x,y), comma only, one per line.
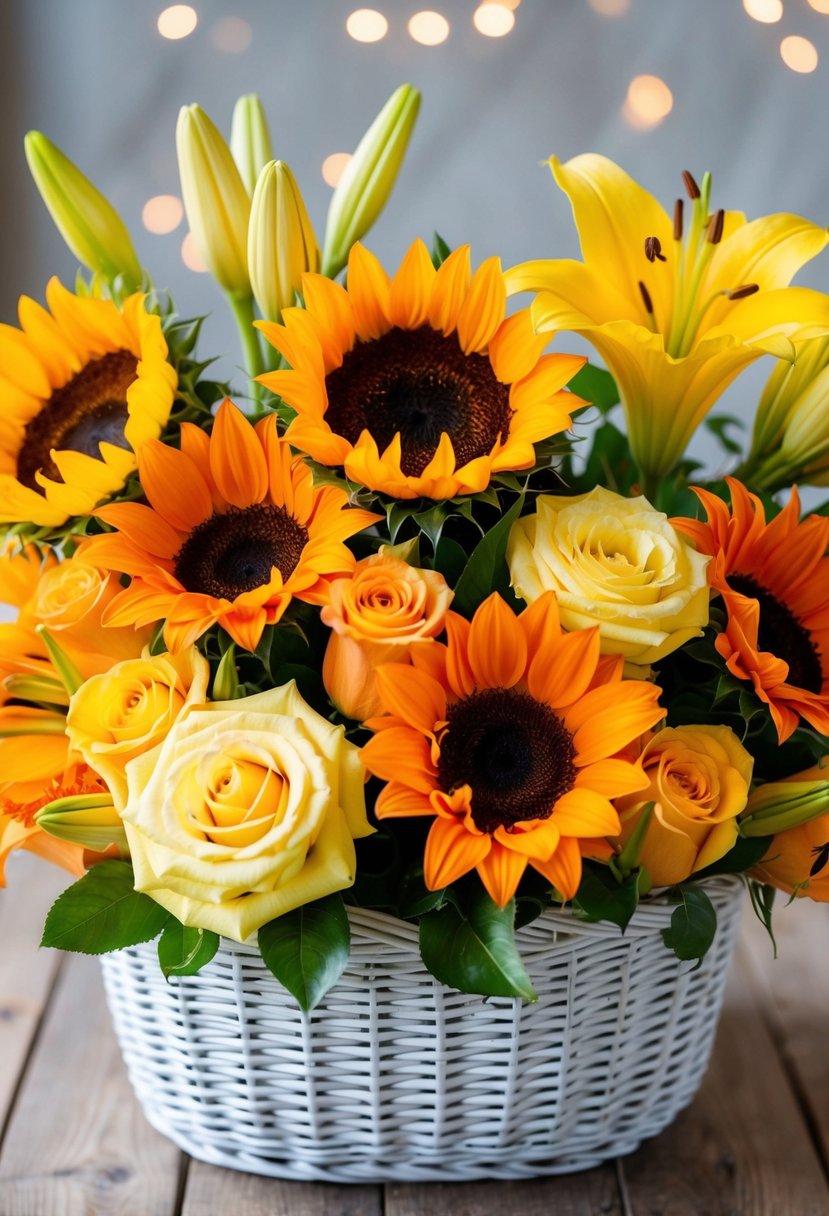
(378,615)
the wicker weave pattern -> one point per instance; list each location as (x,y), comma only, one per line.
(395,1077)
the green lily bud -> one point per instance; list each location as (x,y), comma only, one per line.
(364,188)
(250,139)
(90,225)
(90,820)
(281,241)
(780,805)
(215,200)
(226,680)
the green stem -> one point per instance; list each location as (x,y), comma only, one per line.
(242,309)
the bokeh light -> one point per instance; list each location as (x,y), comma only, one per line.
(162,213)
(177,21)
(493,20)
(190,255)
(798,53)
(648,101)
(510,4)
(610,8)
(767,11)
(232,34)
(366,25)
(428,28)
(334,166)
(820,6)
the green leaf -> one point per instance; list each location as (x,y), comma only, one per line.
(431,523)
(475,951)
(747,851)
(307,949)
(718,426)
(693,924)
(602,897)
(450,560)
(487,570)
(103,912)
(183,950)
(595,385)
(440,250)
(415,899)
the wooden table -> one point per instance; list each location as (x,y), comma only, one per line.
(74,1142)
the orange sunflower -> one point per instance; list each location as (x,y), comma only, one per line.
(774,582)
(234,531)
(509,736)
(419,385)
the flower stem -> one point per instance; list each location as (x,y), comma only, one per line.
(242,309)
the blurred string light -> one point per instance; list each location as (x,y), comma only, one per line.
(190,255)
(366,25)
(820,6)
(177,21)
(232,34)
(428,28)
(493,20)
(798,53)
(334,166)
(162,213)
(767,11)
(648,101)
(610,8)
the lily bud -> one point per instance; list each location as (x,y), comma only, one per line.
(88,223)
(89,820)
(367,182)
(791,433)
(781,805)
(282,246)
(215,200)
(250,139)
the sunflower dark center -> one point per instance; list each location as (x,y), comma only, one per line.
(418,383)
(90,409)
(237,551)
(782,634)
(512,750)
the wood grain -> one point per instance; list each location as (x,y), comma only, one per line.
(77,1144)
(595,1192)
(26,973)
(211,1190)
(743,1148)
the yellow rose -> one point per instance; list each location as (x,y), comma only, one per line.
(613,562)
(70,599)
(699,783)
(121,714)
(248,809)
(378,615)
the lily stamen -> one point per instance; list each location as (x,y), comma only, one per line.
(646,297)
(653,249)
(690,185)
(715,227)
(740,293)
(678,212)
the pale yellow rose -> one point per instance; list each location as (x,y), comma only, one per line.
(119,715)
(378,615)
(613,562)
(70,599)
(699,782)
(248,809)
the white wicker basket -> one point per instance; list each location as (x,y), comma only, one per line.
(394,1077)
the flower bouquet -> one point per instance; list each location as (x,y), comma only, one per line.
(403,675)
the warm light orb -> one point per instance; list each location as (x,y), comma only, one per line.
(510,4)
(767,11)
(232,34)
(493,20)
(162,213)
(177,21)
(428,28)
(798,53)
(190,255)
(366,25)
(648,101)
(334,166)
(820,6)
(610,8)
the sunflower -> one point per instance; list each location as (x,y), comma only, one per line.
(418,385)
(509,737)
(774,582)
(234,531)
(81,389)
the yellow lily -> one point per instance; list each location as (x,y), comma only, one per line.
(675,309)
(282,246)
(790,441)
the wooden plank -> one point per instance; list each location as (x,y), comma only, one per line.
(26,973)
(77,1143)
(743,1147)
(211,1190)
(595,1191)
(793,990)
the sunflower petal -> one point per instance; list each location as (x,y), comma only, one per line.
(237,462)
(500,871)
(484,308)
(497,647)
(451,852)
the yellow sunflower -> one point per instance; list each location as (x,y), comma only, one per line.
(234,531)
(83,385)
(418,385)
